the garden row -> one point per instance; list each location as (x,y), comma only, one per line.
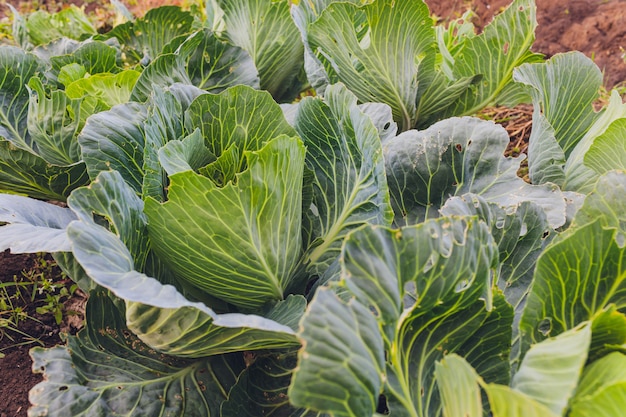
(364,250)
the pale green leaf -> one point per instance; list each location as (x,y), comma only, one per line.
(240,243)
(188,154)
(503,45)
(458,385)
(22,172)
(601,374)
(54,123)
(16,68)
(563,89)
(143,39)
(162,317)
(108,90)
(608,150)
(506,402)
(380,51)
(241,116)
(550,370)
(609,402)
(604,143)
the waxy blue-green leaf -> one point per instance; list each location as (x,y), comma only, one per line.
(556,363)
(267,32)
(143,39)
(576,277)
(520,234)
(427,287)
(201,60)
(162,317)
(240,243)
(110,196)
(32,225)
(239,116)
(115,139)
(341,369)
(262,389)
(454,157)
(381,51)
(71,22)
(349,183)
(16,68)
(54,123)
(22,172)
(106,370)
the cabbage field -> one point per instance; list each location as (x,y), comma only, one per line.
(289,208)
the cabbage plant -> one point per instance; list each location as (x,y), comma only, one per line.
(246,258)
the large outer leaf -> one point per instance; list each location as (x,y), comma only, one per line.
(504,44)
(161,316)
(576,277)
(378,51)
(266,31)
(33,226)
(144,39)
(563,89)
(105,370)
(519,233)
(427,287)
(350,186)
(22,172)
(115,139)
(239,243)
(16,68)
(53,124)
(454,157)
(341,370)
(550,370)
(201,60)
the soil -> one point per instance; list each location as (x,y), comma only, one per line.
(594,27)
